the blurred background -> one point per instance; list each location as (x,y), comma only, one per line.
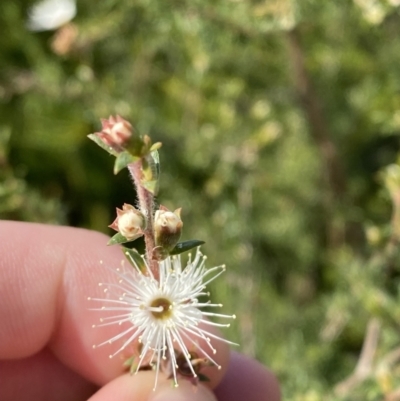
(280,124)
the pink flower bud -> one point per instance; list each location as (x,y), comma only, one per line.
(129,222)
(167,227)
(115,131)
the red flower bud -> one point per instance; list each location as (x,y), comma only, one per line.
(115,131)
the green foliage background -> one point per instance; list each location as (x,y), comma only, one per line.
(280,124)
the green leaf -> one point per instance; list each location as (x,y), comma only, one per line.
(155,146)
(151,186)
(203,378)
(118,238)
(131,364)
(151,172)
(186,246)
(134,258)
(122,160)
(104,146)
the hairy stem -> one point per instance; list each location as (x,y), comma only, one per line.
(146,204)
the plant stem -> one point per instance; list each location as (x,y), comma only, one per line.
(334,191)
(146,204)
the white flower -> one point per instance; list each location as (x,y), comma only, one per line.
(165,315)
(51,14)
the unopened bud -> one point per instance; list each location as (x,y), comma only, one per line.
(115,131)
(167,227)
(130,222)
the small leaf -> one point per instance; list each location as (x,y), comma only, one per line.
(151,186)
(203,378)
(122,160)
(134,258)
(103,145)
(118,238)
(128,363)
(131,364)
(151,172)
(186,246)
(155,146)
(147,141)
(156,162)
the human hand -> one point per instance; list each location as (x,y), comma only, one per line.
(46,334)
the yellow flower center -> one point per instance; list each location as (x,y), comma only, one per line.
(164,306)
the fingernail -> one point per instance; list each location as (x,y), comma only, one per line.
(184,392)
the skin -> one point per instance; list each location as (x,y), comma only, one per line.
(46,334)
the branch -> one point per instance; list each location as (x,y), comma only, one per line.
(364,365)
(391,358)
(333,175)
(311,105)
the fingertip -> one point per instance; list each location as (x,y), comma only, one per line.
(126,388)
(185,391)
(140,387)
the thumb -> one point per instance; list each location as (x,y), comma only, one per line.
(185,391)
(140,388)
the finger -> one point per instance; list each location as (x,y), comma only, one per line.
(246,379)
(140,388)
(41,377)
(46,275)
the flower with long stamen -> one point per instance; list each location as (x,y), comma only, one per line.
(165,315)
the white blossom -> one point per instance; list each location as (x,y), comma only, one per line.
(165,316)
(48,15)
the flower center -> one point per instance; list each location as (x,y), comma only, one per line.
(161,308)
